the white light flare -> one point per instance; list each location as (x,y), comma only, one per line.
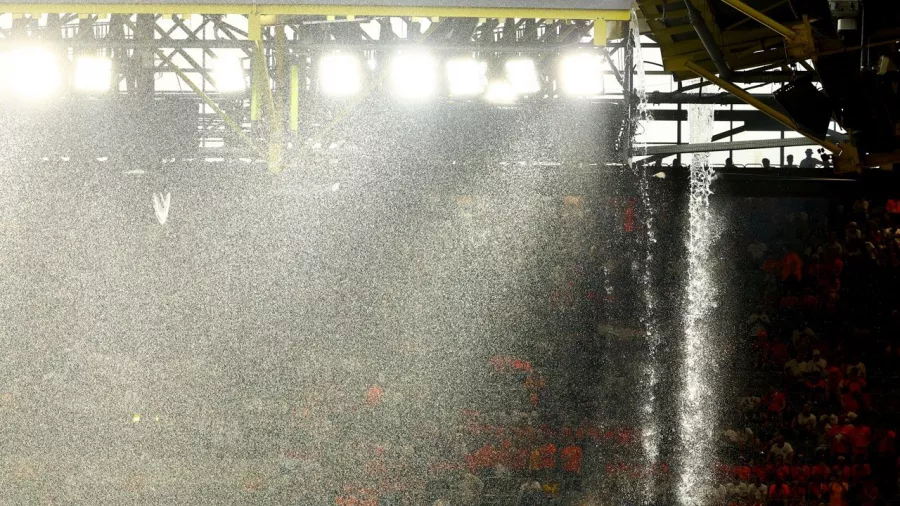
(581,74)
(32,73)
(466,77)
(414,75)
(93,73)
(696,402)
(522,75)
(500,92)
(340,75)
(228,74)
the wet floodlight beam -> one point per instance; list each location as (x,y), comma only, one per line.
(340,75)
(466,77)
(523,77)
(500,92)
(93,73)
(228,75)
(581,75)
(31,73)
(414,76)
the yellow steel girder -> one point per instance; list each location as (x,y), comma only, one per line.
(316,10)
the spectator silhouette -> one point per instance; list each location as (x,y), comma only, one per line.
(809,162)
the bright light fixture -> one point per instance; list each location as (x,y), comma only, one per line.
(466,77)
(522,76)
(581,74)
(31,73)
(500,92)
(414,75)
(228,74)
(340,75)
(93,73)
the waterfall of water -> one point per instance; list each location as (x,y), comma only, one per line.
(696,406)
(650,435)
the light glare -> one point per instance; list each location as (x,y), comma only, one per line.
(31,73)
(522,76)
(582,75)
(93,73)
(228,74)
(466,77)
(340,75)
(500,92)
(414,75)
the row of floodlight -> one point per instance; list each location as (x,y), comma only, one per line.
(37,73)
(417,75)
(34,72)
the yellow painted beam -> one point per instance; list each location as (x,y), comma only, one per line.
(600,32)
(785,32)
(295,98)
(317,10)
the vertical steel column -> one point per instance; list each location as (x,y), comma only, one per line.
(254,34)
(295,98)
(144,55)
(117,56)
(276,112)
(679,126)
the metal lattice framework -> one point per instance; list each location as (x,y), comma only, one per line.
(151,44)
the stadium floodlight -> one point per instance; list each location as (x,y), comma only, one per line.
(340,75)
(31,73)
(500,92)
(93,73)
(522,75)
(228,74)
(466,77)
(414,75)
(581,74)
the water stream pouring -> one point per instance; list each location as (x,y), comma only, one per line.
(696,400)
(650,427)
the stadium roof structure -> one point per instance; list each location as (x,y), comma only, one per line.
(840,59)
(564,9)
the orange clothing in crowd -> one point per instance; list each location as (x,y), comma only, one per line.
(571,458)
(838,494)
(534,460)
(776,402)
(821,472)
(800,473)
(861,439)
(792,266)
(742,472)
(374,395)
(548,456)
(779,492)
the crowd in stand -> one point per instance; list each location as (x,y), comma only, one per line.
(810,161)
(817,428)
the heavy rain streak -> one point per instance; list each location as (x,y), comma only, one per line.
(448,302)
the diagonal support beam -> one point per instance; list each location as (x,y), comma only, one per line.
(612,65)
(215,107)
(729,133)
(846,156)
(784,31)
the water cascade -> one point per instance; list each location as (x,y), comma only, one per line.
(696,400)
(650,433)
